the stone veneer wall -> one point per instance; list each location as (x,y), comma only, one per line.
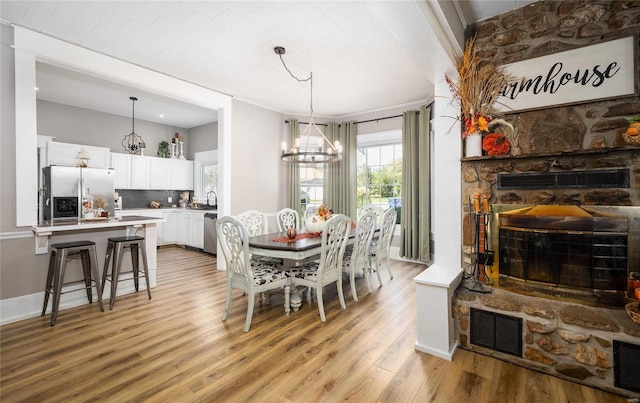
(567,340)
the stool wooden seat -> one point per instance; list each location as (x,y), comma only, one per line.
(58,256)
(115,250)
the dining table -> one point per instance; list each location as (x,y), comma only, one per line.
(303,247)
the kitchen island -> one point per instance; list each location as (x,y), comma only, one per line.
(99,231)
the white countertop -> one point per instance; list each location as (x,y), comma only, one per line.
(69,225)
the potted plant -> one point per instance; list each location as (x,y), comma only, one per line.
(477,89)
(163,149)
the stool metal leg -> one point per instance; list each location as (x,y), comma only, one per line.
(96,275)
(61,263)
(135,263)
(105,268)
(145,266)
(115,272)
(50,273)
(86,269)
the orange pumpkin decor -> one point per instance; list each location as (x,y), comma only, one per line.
(496,144)
(631,135)
(633,129)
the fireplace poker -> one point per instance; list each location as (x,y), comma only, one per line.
(473,283)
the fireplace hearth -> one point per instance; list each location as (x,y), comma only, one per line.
(577,253)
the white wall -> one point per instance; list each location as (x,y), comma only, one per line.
(70,124)
(202,138)
(256,179)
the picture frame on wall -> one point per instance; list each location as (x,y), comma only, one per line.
(591,73)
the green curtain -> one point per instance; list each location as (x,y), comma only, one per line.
(415,215)
(340,186)
(294,170)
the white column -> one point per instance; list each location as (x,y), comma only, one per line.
(436,285)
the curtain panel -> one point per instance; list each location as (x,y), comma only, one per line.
(415,218)
(340,178)
(293,170)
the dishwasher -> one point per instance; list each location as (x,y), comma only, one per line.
(210,233)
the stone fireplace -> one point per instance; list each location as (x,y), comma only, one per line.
(575,253)
(560,314)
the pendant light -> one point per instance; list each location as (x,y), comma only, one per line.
(303,151)
(132,142)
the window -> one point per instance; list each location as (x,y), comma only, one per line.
(380,171)
(206,174)
(209,176)
(311,182)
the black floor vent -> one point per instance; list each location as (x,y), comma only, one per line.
(609,178)
(626,366)
(497,332)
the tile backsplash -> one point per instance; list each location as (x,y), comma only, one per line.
(141,198)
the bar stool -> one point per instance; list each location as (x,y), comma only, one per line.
(116,248)
(59,254)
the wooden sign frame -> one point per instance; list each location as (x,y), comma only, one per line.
(606,70)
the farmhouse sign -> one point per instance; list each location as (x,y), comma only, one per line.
(596,72)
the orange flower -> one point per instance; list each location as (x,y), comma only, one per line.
(496,144)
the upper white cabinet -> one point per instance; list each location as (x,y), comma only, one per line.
(122,165)
(181,175)
(160,173)
(138,172)
(65,154)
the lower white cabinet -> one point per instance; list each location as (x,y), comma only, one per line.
(182,227)
(193,229)
(172,228)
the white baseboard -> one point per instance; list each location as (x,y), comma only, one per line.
(445,355)
(30,306)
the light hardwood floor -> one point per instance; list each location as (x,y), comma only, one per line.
(175,348)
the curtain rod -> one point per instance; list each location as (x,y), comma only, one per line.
(362,121)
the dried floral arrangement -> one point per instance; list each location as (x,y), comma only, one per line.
(477,89)
(100,202)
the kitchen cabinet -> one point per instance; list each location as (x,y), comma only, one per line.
(160,174)
(140,172)
(181,175)
(172,228)
(122,165)
(65,154)
(193,228)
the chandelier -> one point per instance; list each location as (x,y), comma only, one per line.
(132,142)
(303,151)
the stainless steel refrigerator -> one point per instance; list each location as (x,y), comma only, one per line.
(78,193)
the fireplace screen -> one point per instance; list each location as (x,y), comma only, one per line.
(565,251)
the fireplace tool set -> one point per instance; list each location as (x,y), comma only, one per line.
(480,253)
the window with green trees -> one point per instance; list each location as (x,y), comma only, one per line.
(380,176)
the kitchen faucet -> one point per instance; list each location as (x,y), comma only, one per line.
(215,198)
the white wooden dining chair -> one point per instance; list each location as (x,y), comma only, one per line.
(255,221)
(328,269)
(287,218)
(357,258)
(254,279)
(379,249)
(310,211)
(257,224)
(374,208)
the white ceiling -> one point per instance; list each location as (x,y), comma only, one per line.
(364,55)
